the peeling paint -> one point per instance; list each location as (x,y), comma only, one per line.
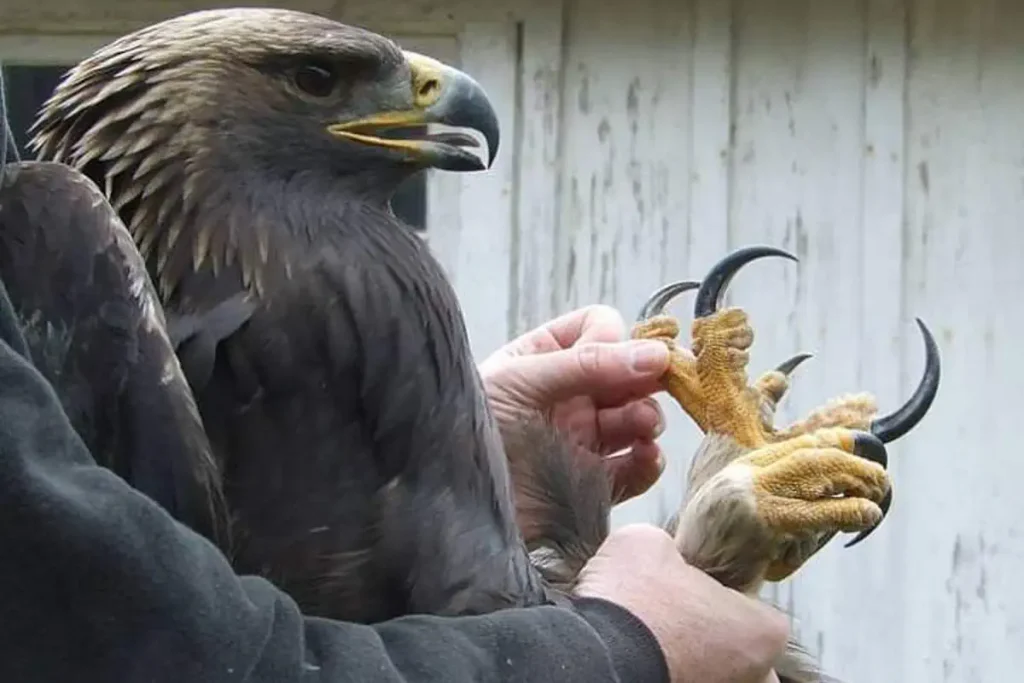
(837,131)
(583,99)
(874,72)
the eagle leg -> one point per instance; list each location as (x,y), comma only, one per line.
(712,386)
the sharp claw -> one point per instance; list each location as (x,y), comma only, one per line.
(787,367)
(898,423)
(885,505)
(870,447)
(709,298)
(657,302)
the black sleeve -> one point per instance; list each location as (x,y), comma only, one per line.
(99,583)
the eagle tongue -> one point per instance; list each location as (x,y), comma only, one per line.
(453,138)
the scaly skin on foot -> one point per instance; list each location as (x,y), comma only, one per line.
(762,500)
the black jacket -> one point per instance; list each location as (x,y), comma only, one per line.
(100,584)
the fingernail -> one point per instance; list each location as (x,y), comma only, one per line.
(650,406)
(648,356)
(659,426)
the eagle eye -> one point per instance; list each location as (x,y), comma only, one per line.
(315,80)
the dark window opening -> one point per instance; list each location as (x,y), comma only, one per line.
(28,87)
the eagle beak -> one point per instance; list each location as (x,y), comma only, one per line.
(439,94)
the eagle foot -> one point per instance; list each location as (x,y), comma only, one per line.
(812,487)
(783,502)
(852,411)
(737,417)
(711,385)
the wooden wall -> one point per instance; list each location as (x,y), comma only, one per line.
(879,140)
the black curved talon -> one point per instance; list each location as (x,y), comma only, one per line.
(709,298)
(885,505)
(870,447)
(787,367)
(902,420)
(891,427)
(656,303)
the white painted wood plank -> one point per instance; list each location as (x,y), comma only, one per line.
(797,183)
(964,249)
(117,16)
(535,236)
(479,254)
(694,241)
(711,72)
(872,573)
(625,188)
(873,569)
(766,200)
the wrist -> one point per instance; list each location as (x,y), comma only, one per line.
(634,650)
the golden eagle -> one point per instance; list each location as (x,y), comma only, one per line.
(345,448)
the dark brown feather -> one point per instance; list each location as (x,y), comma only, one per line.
(360,459)
(95,329)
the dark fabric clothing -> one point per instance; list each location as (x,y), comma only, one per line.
(100,584)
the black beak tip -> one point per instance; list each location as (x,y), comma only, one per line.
(467,106)
(485,121)
(492,148)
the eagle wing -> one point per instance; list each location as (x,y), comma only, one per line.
(96,330)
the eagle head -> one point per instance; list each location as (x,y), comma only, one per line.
(198,126)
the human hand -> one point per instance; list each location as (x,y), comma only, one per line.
(707,632)
(583,375)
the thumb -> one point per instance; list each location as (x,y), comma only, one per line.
(604,372)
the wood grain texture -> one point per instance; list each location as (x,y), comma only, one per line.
(876,139)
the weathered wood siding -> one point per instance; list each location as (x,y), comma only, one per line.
(879,140)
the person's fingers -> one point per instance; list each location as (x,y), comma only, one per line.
(598,323)
(635,471)
(620,426)
(609,373)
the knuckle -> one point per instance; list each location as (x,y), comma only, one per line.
(605,316)
(592,358)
